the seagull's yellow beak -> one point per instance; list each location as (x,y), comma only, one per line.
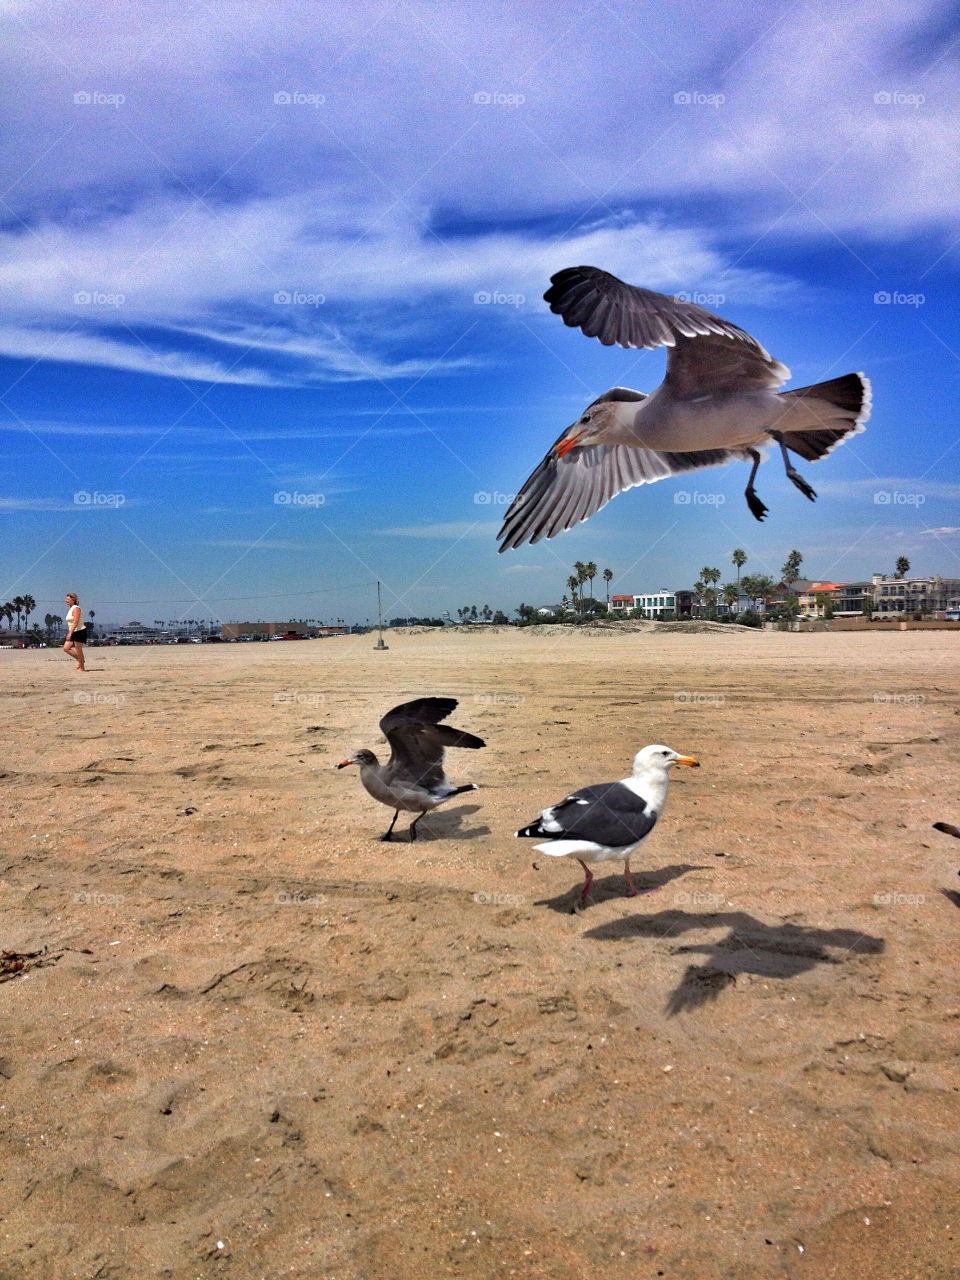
(692,761)
(563,447)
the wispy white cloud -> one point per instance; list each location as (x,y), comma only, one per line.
(252,544)
(27,343)
(890,491)
(181,310)
(810,73)
(454,529)
(77,508)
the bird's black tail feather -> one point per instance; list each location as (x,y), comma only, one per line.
(839,408)
(533,830)
(470,786)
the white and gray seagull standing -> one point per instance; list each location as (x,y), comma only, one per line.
(611,819)
(718,402)
(413,778)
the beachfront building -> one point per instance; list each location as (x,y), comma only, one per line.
(906,596)
(849,597)
(621,604)
(664,603)
(656,603)
(882,596)
(818,598)
(844,598)
(236,630)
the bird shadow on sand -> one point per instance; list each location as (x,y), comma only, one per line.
(748,946)
(952,895)
(443,825)
(614,886)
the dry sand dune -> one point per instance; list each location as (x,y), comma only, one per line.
(264,1044)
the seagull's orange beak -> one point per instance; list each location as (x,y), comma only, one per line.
(563,447)
(692,761)
(343,764)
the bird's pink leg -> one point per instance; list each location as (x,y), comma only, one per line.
(587,883)
(632,890)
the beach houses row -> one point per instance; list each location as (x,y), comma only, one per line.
(933,596)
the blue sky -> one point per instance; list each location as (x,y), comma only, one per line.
(250,253)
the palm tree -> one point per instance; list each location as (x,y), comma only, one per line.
(6,611)
(91,615)
(17,603)
(708,577)
(591,571)
(608,578)
(903,567)
(29,604)
(739,559)
(581,571)
(731,593)
(791,570)
(573,582)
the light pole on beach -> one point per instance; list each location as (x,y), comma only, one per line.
(379,644)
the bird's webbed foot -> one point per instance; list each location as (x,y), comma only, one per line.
(757,508)
(798,480)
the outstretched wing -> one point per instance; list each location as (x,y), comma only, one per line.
(563,491)
(707,353)
(418,741)
(427,710)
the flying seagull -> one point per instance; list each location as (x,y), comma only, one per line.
(609,820)
(718,402)
(413,778)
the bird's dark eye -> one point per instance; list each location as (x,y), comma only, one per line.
(586,417)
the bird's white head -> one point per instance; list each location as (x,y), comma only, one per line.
(659,757)
(604,421)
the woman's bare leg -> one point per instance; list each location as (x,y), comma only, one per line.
(73,649)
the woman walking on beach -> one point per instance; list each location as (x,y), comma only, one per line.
(76,631)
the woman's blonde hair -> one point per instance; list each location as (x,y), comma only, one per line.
(72,595)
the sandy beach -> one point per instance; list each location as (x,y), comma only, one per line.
(261,1043)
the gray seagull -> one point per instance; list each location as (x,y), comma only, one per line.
(718,402)
(413,778)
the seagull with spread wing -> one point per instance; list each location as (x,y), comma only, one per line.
(413,778)
(719,401)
